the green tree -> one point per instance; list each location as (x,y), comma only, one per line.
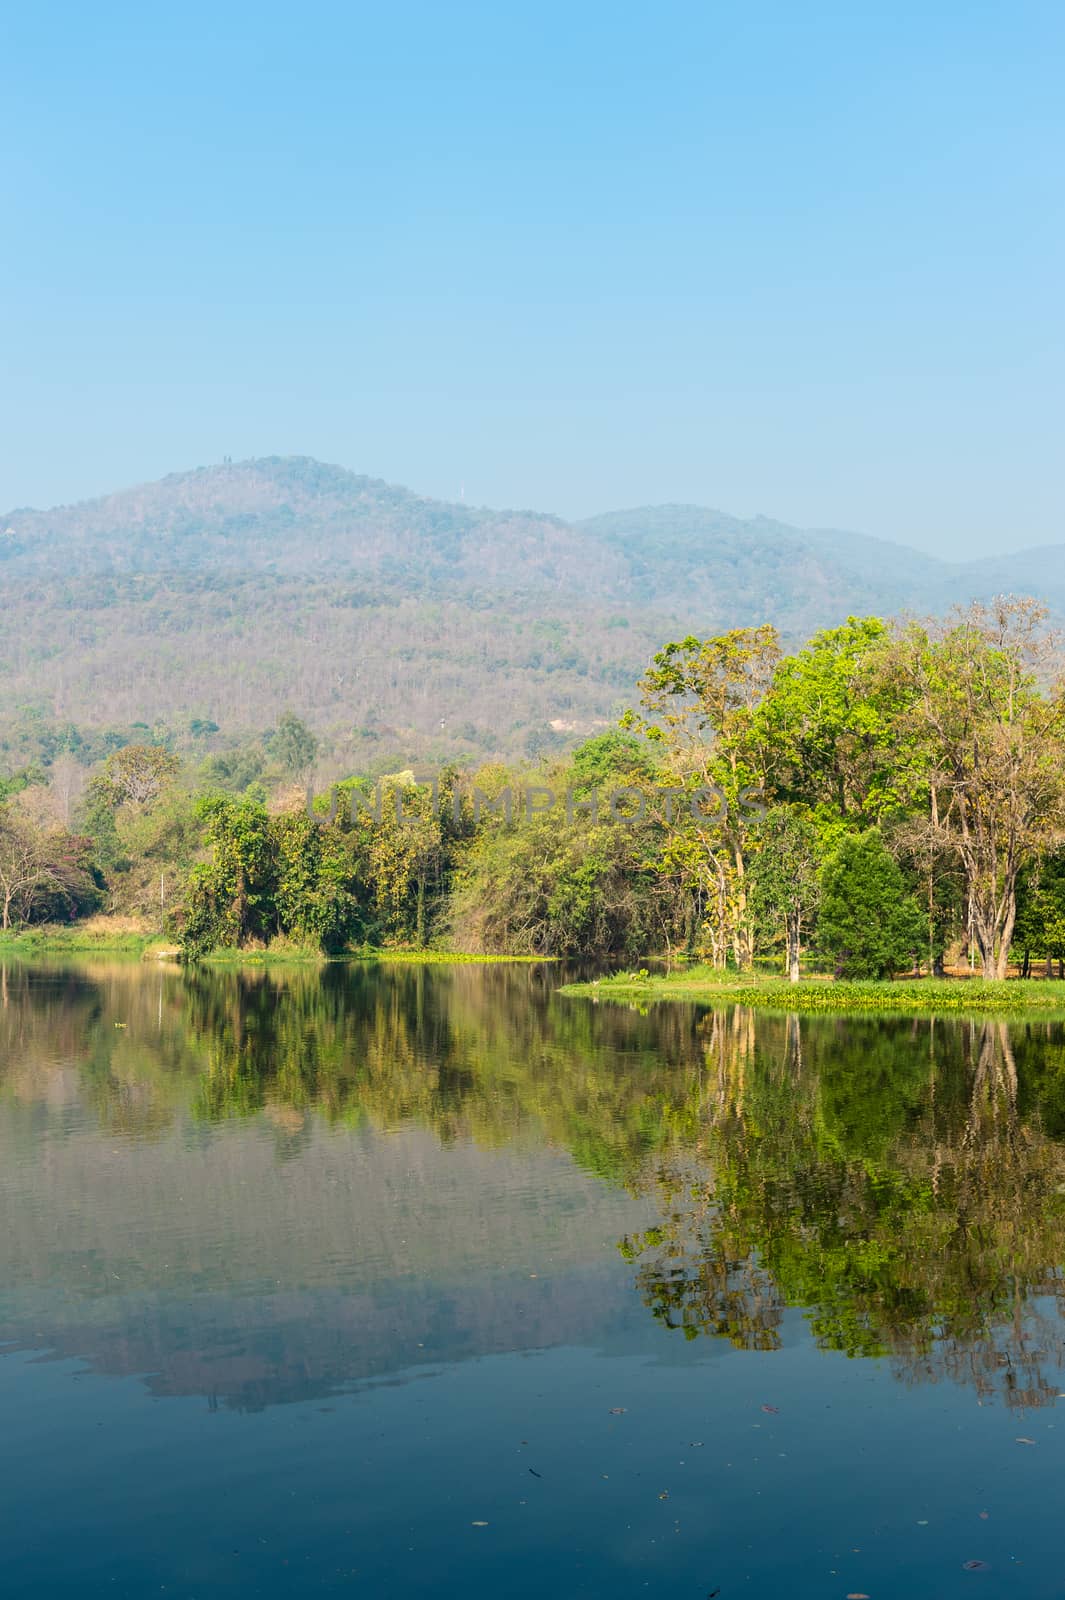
(312,898)
(1040,926)
(293,745)
(699,698)
(868,923)
(231,897)
(785,885)
(829,729)
(994,745)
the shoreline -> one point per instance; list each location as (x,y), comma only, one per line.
(890,996)
(51,941)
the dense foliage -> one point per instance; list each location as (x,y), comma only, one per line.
(886,799)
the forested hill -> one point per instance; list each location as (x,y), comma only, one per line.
(394,622)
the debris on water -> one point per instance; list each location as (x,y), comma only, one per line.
(478,1524)
(975,1566)
(535,1473)
(1025,1441)
(922,1522)
(857,1596)
(618,1411)
(664,1495)
(695,1444)
(774,1411)
(984,1515)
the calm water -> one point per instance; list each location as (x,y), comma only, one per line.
(400,1282)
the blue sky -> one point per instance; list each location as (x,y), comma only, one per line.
(799,259)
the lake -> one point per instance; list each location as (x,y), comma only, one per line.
(400,1281)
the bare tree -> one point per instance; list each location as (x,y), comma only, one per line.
(67,781)
(25,867)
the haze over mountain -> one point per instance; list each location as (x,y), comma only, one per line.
(394,622)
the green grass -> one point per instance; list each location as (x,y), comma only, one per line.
(47,940)
(703,986)
(282,952)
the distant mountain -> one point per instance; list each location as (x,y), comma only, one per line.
(392,620)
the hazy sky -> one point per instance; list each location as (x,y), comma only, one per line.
(797,258)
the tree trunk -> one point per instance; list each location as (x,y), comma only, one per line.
(743,944)
(993,919)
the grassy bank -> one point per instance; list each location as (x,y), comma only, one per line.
(83,939)
(282,952)
(703,986)
(444,957)
(107,936)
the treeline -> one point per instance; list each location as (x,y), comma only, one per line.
(891,797)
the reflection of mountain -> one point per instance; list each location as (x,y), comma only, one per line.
(218,1269)
(267,1186)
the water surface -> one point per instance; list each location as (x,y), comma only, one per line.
(409,1282)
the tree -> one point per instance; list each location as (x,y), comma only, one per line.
(867,923)
(785,887)
(67,781)
(610,760)
(1040,926)
(699,699)
(829,729)
(137,774)
(312,897)
(230,897)
(22,866)
(994,740)
(42,871)
(293,745)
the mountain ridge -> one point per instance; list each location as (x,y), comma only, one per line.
(388,618)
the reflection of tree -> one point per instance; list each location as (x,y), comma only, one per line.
(881,1176)
(488,1054)
(902,1181)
